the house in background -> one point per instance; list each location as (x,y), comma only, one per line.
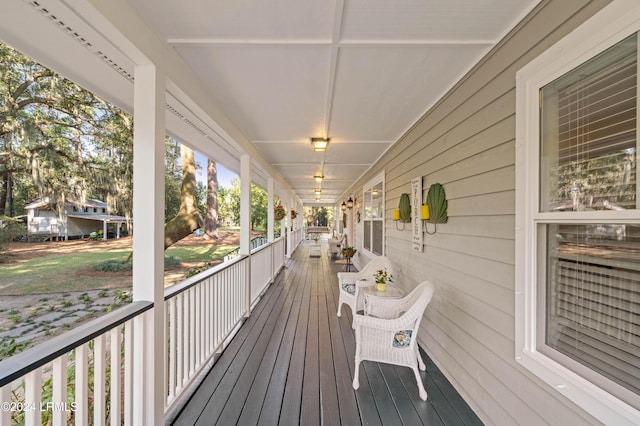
(78,219)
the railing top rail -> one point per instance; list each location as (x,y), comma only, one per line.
(15,367)
(260,248)
(191,281)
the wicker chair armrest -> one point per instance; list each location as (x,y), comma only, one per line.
(364,283)
(406,321)
(350,277)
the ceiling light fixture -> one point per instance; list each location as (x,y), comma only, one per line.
(318,191)
(320,144)
(318,178)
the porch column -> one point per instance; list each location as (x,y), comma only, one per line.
(270,214)
(245,204)
(245,222)
(148,245)
(289,227)
(104,229)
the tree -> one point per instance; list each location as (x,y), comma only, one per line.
(172,178)
(58,140)
(258,207)
(188,218)
(211,221)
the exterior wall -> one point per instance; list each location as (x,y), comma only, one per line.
(82,227)
(467,143)
(47,222)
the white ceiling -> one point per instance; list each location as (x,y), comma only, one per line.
(361,72)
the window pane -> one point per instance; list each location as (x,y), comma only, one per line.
(377,237)
(367,205)
(376,201)
(367,234)
(588,134)
(593,299)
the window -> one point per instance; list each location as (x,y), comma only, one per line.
(578,219)
(373,232)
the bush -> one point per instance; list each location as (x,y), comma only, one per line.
(171,261)
(113,265)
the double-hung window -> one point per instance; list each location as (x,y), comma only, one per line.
(373,229)
(578,219)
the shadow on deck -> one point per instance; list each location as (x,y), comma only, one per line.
(292,363)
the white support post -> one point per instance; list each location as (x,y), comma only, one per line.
(245,221)
(270,213)
(148,247)
(288,227)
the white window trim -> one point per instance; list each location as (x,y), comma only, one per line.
(612,24)
(379,178)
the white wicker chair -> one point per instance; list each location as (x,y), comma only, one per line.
(350,283)
(335,244)
(390,333)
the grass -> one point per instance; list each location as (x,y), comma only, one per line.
(73,272)
(199,253)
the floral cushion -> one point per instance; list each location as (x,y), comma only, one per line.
(402,338)
(349,288)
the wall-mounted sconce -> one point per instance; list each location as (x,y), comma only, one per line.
(343,206)
(320,144)
(403,212)
(350,202)
(318,178)
(435,211)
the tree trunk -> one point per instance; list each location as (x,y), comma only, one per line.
(4,184)
(188,218)
(211,221)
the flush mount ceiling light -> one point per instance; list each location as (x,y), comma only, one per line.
(318,191)
(320,144)
(318,178)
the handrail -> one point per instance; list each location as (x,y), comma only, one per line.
(194,280)
(17,366)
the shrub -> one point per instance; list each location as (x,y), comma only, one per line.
(113,265)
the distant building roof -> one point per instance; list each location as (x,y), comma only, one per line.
(88,202)
(100,217)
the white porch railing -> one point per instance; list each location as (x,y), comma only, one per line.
(35,385)
(266,261)
(72,377)
(295,237)
(200,314)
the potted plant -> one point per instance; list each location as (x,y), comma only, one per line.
(294,214)
(279,212)
(348,253)
(382,277)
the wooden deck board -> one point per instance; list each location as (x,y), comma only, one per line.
(292,363)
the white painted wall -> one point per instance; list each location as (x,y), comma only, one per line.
(467,143)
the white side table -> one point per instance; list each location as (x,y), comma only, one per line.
(371,293)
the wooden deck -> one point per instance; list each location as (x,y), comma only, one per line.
(292,363)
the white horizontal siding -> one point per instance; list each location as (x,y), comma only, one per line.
(467,143)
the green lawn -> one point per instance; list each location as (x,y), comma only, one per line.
(74,272)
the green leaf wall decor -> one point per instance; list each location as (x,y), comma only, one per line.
(437,202)
(405,208)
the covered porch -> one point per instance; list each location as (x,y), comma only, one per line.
(292,363)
